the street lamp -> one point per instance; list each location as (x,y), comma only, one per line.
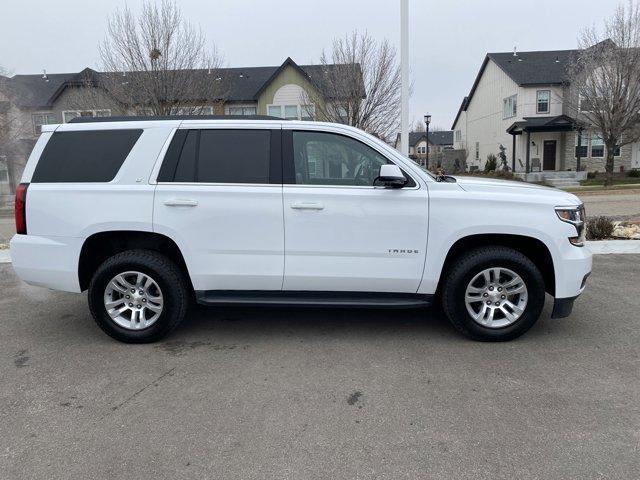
(427,121)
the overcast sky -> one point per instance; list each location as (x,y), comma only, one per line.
(448,38)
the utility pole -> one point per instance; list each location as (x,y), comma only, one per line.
(404,73)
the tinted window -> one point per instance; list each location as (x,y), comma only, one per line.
(87,156)
(233,156)
(186,169)
(330,159)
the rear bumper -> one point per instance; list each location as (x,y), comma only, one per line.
(50,262)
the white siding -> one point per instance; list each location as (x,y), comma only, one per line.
(527,97)
(485,124)
(483,121)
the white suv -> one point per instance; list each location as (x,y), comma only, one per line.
(150,214)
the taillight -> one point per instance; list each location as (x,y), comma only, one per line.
(21,208)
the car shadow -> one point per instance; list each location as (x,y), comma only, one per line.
(296,321)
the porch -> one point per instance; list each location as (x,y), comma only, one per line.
(543,147)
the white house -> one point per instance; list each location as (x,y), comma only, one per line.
(518,100)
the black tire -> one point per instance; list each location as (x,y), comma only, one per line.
(167,275)
(466,267)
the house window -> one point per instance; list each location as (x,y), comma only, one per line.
(509,106)
(242,111)
(422,150)
(292,112)
(477,150)
(68,115)
(458,136)
(583,139)
(616,151)
(597,146)
(194,110)
(543,99)
(40,119)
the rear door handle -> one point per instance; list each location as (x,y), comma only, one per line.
(307,206)
(180,202)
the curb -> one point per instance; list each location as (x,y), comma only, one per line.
(606,247)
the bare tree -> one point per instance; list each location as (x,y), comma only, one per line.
(158,62)
(359,85)
(418,126)
(12,126)
(605,81)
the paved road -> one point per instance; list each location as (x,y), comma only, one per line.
(317,394)
(622,204)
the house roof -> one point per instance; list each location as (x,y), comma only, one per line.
(463,107)
(540,124)
(244,83)
(444,137)
(535,68)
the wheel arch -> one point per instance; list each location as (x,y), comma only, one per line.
(533,248)
(100,246)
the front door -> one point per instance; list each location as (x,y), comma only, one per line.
(549,155)
(219,196)
(341,232)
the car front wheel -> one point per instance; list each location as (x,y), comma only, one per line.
(493,294)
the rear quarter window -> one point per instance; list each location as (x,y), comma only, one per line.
(84,156)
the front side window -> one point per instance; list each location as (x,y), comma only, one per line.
(509,106)
(330,159)
(543,99)
(597,146)
(40,119)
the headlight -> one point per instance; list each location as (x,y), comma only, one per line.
(575,216)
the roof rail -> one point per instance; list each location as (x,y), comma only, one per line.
(133,118)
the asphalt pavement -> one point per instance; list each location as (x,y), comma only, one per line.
(276,393)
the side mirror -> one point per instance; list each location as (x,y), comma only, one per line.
(391,176)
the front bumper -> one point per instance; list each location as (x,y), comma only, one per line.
(571,271)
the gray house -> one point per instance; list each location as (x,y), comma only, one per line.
(438,142)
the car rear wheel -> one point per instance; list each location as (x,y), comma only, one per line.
(138,296)
(493,294)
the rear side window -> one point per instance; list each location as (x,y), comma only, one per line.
(87,156)
(234,156)
(223,156)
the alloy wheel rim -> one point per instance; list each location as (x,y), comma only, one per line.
(496,297)
(133,300)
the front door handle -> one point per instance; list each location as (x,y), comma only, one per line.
(180,202)
(307,206)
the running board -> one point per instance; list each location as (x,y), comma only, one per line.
(313,299)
